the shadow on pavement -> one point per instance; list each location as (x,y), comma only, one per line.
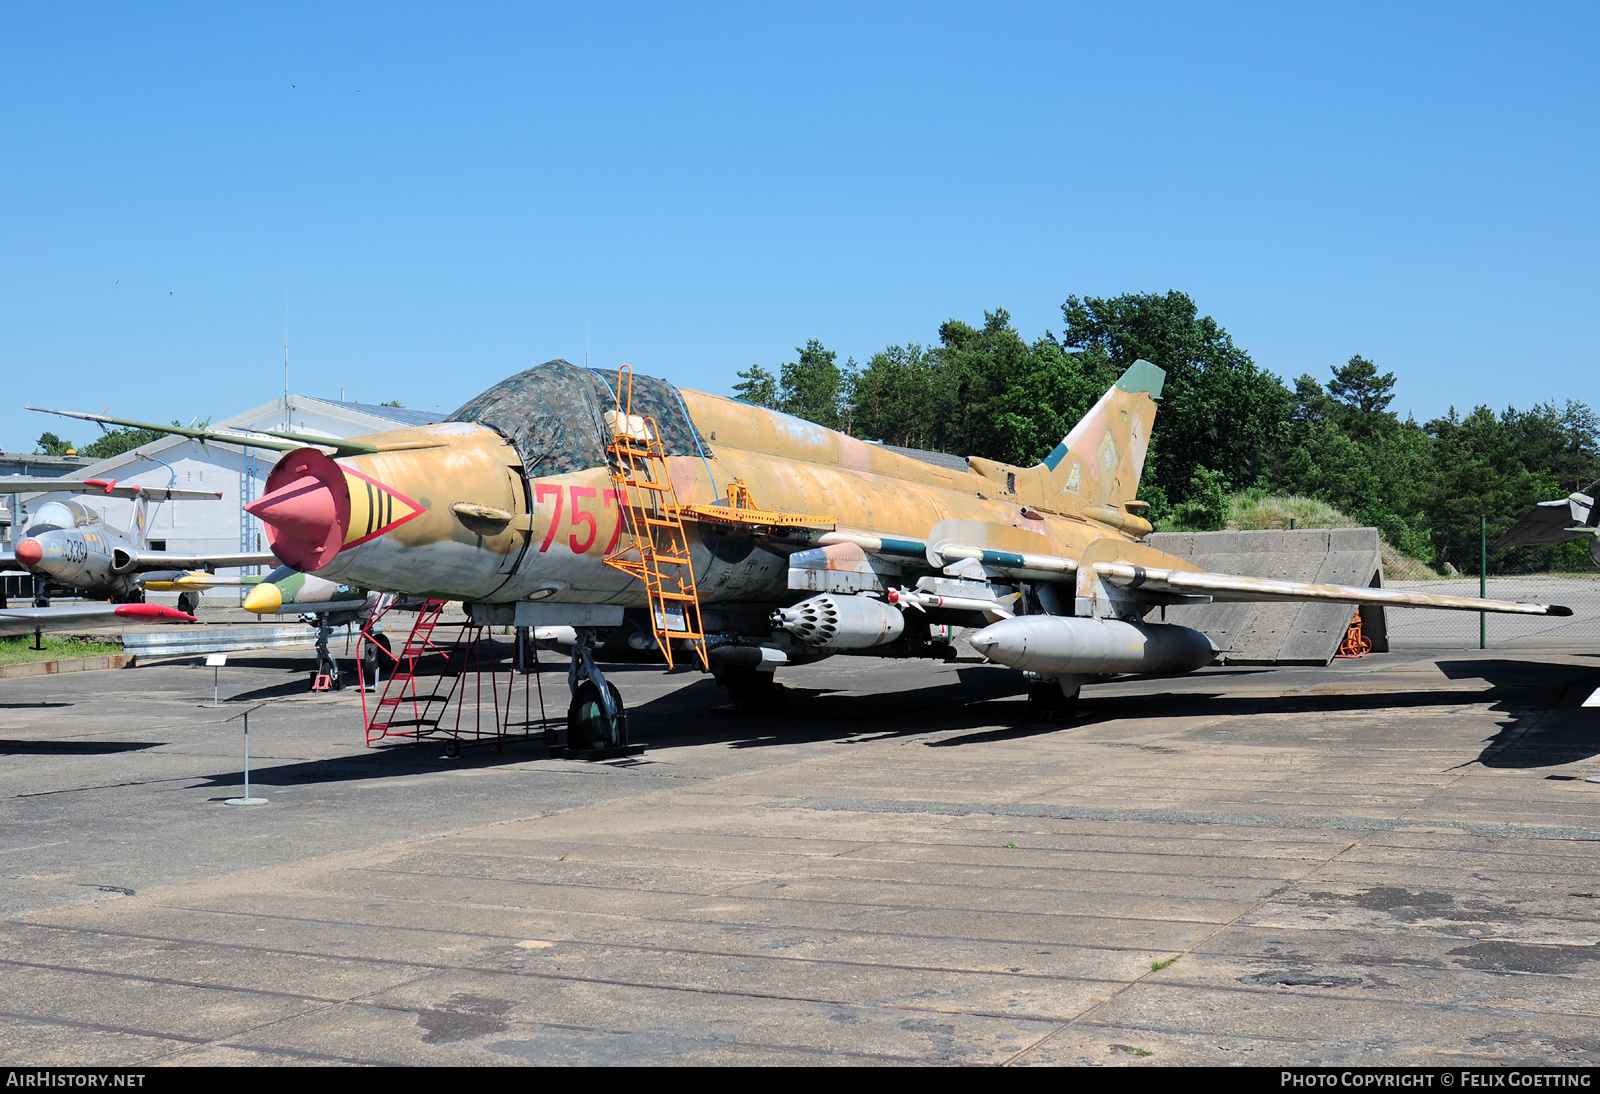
(686,717)
(384,763)
(1547,725)
(300,685)
(73,748)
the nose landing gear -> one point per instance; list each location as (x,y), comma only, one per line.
(597,722)
(327,676)
(596,719)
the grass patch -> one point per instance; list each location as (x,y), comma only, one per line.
(1157,966)
(1012,846)
(19,649)
(1249,511)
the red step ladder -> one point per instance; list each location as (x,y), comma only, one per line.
(415,703)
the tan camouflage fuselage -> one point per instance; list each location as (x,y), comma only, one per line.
(563,526)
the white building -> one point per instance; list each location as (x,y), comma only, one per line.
(240,473)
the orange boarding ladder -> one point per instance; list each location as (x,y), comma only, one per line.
(659,553)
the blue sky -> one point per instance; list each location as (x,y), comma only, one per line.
(451,193)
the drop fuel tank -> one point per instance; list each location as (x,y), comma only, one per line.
(1076,645)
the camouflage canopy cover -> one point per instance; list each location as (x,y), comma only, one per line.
(553,414)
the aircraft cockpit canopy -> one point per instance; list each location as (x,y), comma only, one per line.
(56,515)
(554,415)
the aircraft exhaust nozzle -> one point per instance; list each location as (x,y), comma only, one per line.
(30,551)
(1076,645)
(122,560)
(306,509)
(841,622)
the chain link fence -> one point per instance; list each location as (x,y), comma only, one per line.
(1560,573)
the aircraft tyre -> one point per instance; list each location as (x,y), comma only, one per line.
(1048,703)
(189,602)
(371,660)
(588,727)
(329,667)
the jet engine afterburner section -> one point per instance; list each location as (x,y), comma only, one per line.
(841,622)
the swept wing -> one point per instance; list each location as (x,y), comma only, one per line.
(1233,587)
(278,440)
(1183,583)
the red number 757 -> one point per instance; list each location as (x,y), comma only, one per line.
(578,517)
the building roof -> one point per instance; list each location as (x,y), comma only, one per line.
(30,465)
(399,415)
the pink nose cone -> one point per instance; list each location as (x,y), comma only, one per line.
(306,509)
(303,509)
(29,552)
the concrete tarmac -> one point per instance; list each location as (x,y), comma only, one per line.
(1388,861)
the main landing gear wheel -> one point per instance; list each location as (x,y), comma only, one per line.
(1048,703)
(588,725)
(371,660)
(188,603)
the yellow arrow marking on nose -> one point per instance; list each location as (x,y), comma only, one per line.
(375,508)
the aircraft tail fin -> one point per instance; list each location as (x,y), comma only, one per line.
(1098,464)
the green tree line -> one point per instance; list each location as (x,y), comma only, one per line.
(1226,424)
(112,442)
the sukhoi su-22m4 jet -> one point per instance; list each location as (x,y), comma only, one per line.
(748,539)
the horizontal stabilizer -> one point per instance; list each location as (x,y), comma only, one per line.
(1226,587)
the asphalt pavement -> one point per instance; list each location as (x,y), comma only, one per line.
(1390,860)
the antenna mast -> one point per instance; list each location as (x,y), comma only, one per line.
(286,427)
